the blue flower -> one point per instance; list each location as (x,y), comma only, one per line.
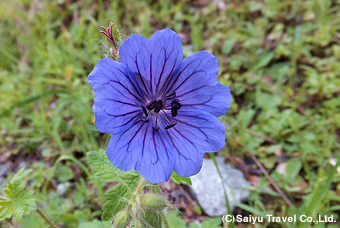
(160,109)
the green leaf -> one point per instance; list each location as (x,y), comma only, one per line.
(175,220)
(196,37)
(105,170)
(228,46)
(64,173)
(213,222)
(17,201)
(180,180)
(262,61)
(293,167)
(118,196)
(95,224)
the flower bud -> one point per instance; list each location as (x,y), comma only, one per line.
(122,220)
(152,219)
(152,202)
(138,224)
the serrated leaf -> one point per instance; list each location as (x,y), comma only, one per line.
(118,196)
(105,170)
(17,201)
(175,220)
(180,180)
(95,224)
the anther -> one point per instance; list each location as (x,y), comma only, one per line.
(145,120)
(155,128)
(170,95)
(144,110)
(170,125)
(151,105)
(158,105)
(173,111)
(176,103)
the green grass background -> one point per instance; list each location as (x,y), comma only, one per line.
(281,60)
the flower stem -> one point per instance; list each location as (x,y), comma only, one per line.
(137,189)
(139,185)
(136,193)
(165,221)
(45,218)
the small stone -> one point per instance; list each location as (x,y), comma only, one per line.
(61,188)
(3,170)
(207,187)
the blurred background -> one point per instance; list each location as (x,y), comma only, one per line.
(281,60)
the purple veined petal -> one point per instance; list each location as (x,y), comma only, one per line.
(117,102)
(143,149)
(195,133)
(196,85)
(155,59)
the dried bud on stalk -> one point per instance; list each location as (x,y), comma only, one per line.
(152,202)
(122,220)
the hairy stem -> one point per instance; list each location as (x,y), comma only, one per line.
(135,194)
(138,188)
(45,218)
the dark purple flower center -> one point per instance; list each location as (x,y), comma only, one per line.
(167,103)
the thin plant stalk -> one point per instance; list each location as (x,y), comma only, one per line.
(42,215)
(212,155)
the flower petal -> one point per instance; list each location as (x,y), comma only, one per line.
(196,85)
(154,59)
(143,149)
(195,133)
(117,100)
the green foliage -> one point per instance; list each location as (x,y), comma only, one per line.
(180,180)
(118,196)
(176,221)
(105,170)
(95,224)
(17,201)
(293,167)
(213,222)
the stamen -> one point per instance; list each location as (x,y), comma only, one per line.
(173,111)
(170,95)
(176,103)
(145,120)
(170,125)
(155,128)
(158,105)
(151,105)
(144,110)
